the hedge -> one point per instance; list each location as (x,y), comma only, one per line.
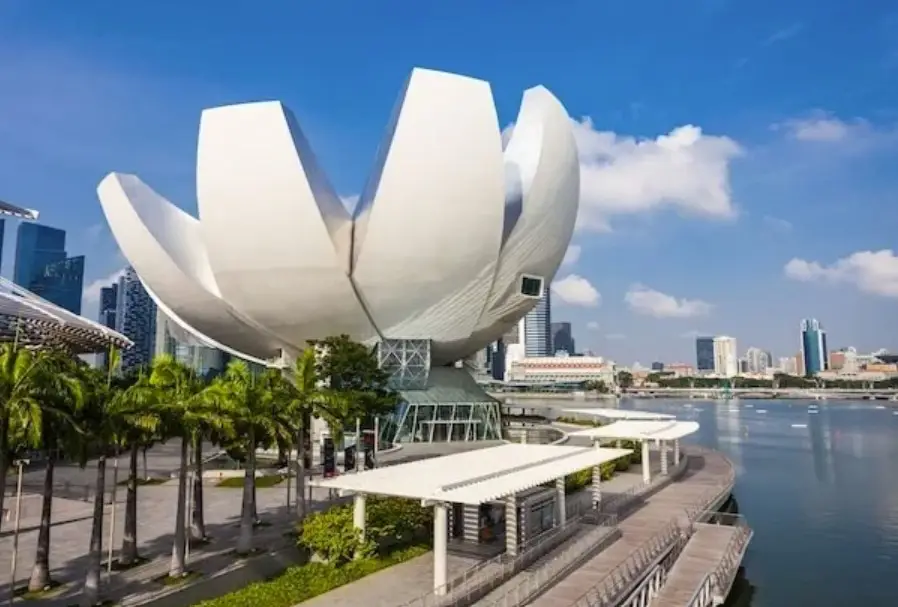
(303,582)
(262,482)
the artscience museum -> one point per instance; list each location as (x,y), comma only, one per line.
(454,239)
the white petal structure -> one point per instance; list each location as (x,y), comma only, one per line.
(452,240)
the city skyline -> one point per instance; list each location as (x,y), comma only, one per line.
(791,148)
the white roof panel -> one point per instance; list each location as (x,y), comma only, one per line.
(641,430)
(619,413)
(474,476)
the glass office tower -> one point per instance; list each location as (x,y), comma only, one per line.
(43,266)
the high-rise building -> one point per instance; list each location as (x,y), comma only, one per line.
(106,317)
(813,347)
(43,266)
(538,327)
(135,317)
(562,338)
(174,341)
(726,362)
(757,361)
(2,235)
(657,366)
(704,354)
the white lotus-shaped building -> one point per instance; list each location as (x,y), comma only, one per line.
(452,241)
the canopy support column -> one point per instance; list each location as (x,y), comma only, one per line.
(358,514)
(440,548)
(664,457)
(646,463)
(597,480)
(677,452)
(560,504)
(511,525)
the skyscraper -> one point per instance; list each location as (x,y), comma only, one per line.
(757,361)
(174,341)
(43,266)
(704,354)
(135,318)
(726,362)
(538,327)
(2,235)
(106,317)
(813,347)
(562,338)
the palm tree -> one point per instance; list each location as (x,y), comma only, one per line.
(185,405)
(259,414)
(61,398)
(19,404)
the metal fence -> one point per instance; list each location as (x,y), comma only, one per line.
(716,585)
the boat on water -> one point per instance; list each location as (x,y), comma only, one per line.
(799,425)
(761,410)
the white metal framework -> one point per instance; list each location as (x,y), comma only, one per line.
(33,321)
(640,430)
(437,248)
(11,210)
(617,414)
(475,477)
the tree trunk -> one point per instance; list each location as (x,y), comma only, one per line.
(301,472)
(129,554)
(247,518)
(198,516)
(178,551)
(40,573)
(4,462)
(146,472)
(90,595)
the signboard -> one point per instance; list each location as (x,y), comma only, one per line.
(328,458)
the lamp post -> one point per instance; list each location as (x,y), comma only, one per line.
(19,464)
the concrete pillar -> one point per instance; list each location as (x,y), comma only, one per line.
(440,548)
(358,513)
(471,529)
(664,457)
(560,502)
(677,452)
(597,487)
(646,463)
(511,526)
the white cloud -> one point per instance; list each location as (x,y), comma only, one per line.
(823,127)
(615,336)
(647,301)
(777,225)
(685,170)
(572,255)
(91,293)
(874,272)
(577,291)
(592,325)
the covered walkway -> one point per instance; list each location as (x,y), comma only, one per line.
(473,477)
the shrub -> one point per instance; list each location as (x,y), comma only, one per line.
(236,482)
(389,522)
(301,583)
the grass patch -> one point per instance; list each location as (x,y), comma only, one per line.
(187,576)
(118,566)
(262,482)
(50,590)
(303,582)
(143,482)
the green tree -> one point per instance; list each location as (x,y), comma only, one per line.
(625,380)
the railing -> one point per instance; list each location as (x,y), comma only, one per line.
(716,585)
(478,580)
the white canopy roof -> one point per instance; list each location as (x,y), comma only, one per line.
(619,413)
(641,430)
(475,477)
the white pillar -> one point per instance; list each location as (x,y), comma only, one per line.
(646,463)
(358,513)
(664,457)
(597,487)
(560,504)
(511,526)
(677,452)
(440,548)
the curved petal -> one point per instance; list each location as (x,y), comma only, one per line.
(429,224)
(542,154)
(277,235)
(163,244)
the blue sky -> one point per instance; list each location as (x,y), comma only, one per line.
(738,158)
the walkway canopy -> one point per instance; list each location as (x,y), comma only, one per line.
(32,322)
(475,477)
(640,430)
(619,414)
(11,210)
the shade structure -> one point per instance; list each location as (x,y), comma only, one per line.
(33,321)
(475,477)
(640,430)
(11,210)
(619,414)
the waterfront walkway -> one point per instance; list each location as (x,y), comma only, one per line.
(704,553)
(707,479)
